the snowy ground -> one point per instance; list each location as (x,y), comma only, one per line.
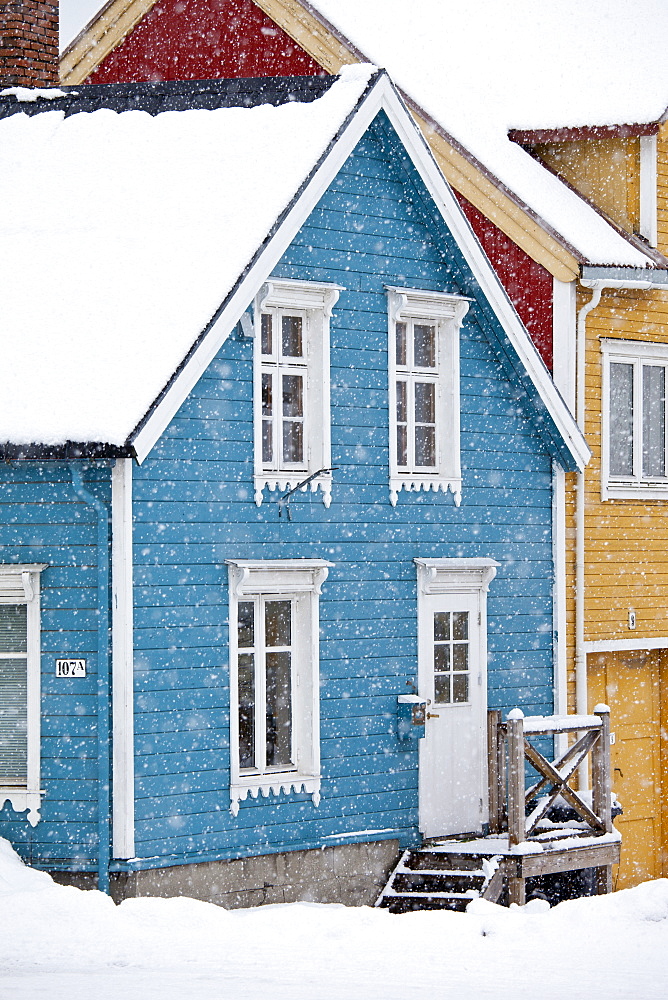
(64,944)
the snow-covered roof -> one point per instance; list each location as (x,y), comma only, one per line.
(484,67)
(123,235)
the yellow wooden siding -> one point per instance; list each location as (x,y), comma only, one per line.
(662,188)
(606,171)
(626,541)
(633,684)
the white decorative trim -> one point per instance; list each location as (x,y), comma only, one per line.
(20,584)
(443,576)
(447,312)
(301,580)
(284,782)
(648,189)
(316,300)
(627,488)
(20,799)
(123,801)
(381,96)
(621,645)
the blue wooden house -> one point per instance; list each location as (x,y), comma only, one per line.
(278,476)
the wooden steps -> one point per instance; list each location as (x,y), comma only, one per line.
(437,879)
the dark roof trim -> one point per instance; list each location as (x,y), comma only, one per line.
(70,451)
(175,95)
(529,137)
(260,249)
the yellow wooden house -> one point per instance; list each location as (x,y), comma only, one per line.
(568,194)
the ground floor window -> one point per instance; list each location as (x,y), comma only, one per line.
(274,677)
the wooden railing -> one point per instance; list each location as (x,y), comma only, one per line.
(518,809)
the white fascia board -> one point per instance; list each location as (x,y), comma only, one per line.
(381,97)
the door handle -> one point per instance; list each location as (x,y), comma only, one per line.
(433,715)
(621,773)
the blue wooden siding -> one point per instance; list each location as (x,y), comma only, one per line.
(194,509)
(42,521)
(193,506)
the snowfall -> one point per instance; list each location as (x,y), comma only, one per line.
(63,943)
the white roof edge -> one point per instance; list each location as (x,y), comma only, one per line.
(382,95)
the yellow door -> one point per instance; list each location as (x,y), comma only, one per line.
(630,683)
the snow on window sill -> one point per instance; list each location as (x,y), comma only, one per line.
(416,482)
(21,799)
(273,784)
(635,491)
(287,481)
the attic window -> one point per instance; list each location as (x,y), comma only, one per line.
(291,390)
(424,390)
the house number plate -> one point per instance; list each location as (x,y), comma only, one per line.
(70,668)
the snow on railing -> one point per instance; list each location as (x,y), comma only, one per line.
(518,809)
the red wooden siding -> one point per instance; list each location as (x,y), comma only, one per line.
(529,285)
(204,40)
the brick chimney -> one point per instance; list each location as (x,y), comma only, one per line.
(29,43)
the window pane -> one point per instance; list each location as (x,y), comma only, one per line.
(293,396)
(425,446)
(401,343)
(653,420)
(460,688)
(402,402)
(246,622)
(460,656)
(291,341)
(13,628)
(425,402)
(402,429)
(402,445)
(460,625)
(279,709)
(424,346)
(621,419)
(442,625)
(293,442)
(442,657)
(442,689)
(267,442)
(13,718)
(267,394)
(278,623)
(266,333)
(247,710)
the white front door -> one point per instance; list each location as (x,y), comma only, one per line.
(452,677)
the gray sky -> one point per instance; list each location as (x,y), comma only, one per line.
(74,14)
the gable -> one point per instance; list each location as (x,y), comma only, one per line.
(201,40)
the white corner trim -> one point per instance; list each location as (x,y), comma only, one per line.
(559,589)
(267,785)
(442,576)
(621,645)
(648,189)
(564,323)
(382,96)
(20,584)
(123,802)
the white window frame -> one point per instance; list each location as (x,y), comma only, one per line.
(636,487)
(648,188)
(300,581)
(314,302)
(446,312)
(20,584)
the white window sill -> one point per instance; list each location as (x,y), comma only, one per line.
(21,799)
(635,491)
(273,784)
(415,482)
(284,481)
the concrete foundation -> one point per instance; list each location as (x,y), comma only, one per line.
(353,874)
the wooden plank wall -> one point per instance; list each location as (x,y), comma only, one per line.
(194,508)
(41,520)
